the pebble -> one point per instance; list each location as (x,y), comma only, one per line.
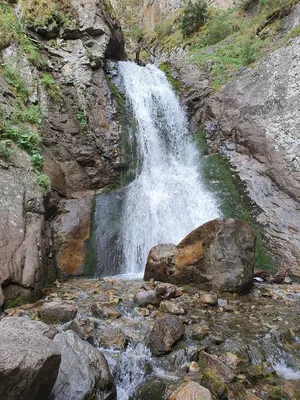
(209,298)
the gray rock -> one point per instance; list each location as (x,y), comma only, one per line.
(54,312)
(83,372)
(166,331)
(21,230)
(192,390)
(29,361)
(145,298)
(171,308)
(218,254)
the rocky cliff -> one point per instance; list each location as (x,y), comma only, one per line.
(54,93)
(254,121)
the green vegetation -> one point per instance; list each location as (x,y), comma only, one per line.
(82,119)
(21,129)
(194,16)
(12,30)
(224,40)
(222,179)
(38,13)
(176,85)
(52,89)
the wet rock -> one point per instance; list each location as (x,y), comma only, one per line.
(218,254)
(29,361)
(153,389)
(167,291)
(209,298)
(83,372)
(191,391)
(55,312)
(104,312)
(84,328)
(166,331)
(112,337)
(214,384)
(160,263)
(145,298)
(198,332)
(172,308)
(216,367)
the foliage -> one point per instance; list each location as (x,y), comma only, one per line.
(194,16)
(15,80)
(176,85)
(52,89)
(39,13)
(12,30)
(6,149)
(82,119)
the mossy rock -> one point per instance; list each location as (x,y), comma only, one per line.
(214,384)
(153,389)
(277,393)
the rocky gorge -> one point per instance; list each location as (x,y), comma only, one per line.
(70,120)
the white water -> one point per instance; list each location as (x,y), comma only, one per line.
(167,199)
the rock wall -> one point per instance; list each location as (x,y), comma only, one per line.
(254,121)
(79,134)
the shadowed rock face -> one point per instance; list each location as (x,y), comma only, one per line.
(29,361)
(218,254)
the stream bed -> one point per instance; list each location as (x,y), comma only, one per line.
(245,347)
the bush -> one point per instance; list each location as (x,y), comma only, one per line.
(222,24)
(194,16)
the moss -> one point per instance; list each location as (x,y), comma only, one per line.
(175,83)
(277,393)
(259,372)
(221,178)
(13,303)
(294,33)
(51,88)
(215,385)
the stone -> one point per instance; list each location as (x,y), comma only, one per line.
(209,298)
(83,372)
(84,328)
(217,255)
(112,337)
(144,298)
(166,331)
(216,367)
(29,361)
(104,312)
(22,250)
(167,290)
(55,312)
(192,391)
(172,308)
(160,262)
(153,389)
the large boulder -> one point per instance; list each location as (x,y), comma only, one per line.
(166,331)
(218,254)
(55,312)
(83,372)
(29,361)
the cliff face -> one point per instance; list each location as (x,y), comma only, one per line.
(79,132)
(254,121)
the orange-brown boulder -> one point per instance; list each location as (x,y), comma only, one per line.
(218,254)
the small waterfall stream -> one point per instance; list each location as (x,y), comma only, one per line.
(167,199)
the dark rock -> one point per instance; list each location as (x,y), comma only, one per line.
(166,331)
(218,254)
(29,361)
(143,299)
(55,312)
(216,367)
(153,389)
(83,372)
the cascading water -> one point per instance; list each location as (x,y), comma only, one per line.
(167,199)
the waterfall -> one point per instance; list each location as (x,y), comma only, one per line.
(166,199)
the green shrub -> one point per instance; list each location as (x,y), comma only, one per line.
(194,16)
(82,119)
(52,89)
(221,25)
(6,149)
(15,80)
(42,180)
